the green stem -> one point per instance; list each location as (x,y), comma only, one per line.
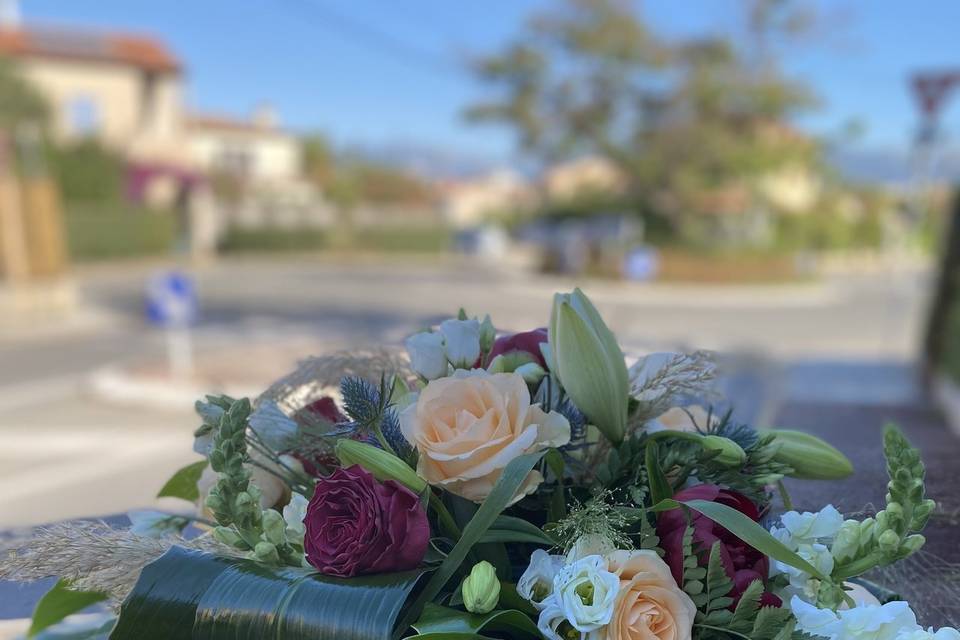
(857,567)
(444,516)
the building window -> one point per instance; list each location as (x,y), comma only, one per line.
(83,116)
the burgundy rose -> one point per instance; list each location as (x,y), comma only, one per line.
(524,342)
(742,563)
(323,410)
(357,525)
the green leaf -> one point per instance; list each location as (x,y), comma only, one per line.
(60,602)
(183,484)
(660,488)
(510,529)
(188,594)
(93,627)
(437,619)
(500,496)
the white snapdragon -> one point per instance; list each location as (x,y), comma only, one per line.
(945,633)
(803,584)
(891,621)
(808,528)
(462,340)
(427,354)
(536,583)
(293,514)
(587,592)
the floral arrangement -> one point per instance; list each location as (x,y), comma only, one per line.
(528,485)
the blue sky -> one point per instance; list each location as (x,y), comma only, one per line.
(379,72)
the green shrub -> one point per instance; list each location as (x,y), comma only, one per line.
(402,239)
(255,240)
(114,231)
(86,172)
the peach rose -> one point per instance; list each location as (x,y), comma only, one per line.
(650,605)
(469,426)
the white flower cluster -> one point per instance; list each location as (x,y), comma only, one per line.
(456,344)
(579,591)
(891,621)
(821,538)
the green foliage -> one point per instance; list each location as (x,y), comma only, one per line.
(86,172)
(758,471)
(20,102)
(436,621)
(183,483)
(240,240)
(60,602)
(99,232)
(187,594)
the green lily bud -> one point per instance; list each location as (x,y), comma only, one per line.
(531,372)
(229,537)
(481,589)
(731,454)
(589,363)
(274,527)
(382,464)
(888,541)
(510,362)
(810,457)
(488,334)
(266,552)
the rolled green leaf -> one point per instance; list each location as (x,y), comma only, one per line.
(191,595)
(442,620)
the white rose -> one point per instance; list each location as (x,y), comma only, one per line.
(427,355)
(587,592)
(865,622)
(536,583)
(462,339)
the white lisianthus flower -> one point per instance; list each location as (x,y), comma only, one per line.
(462,338)
(587,592)
(945,633)
(890,621)
(536,583)
(427,354)
(551,617)
(808,528)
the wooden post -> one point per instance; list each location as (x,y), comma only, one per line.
(14,260)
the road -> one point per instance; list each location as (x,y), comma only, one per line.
(68,452)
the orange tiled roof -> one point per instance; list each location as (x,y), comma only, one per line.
(119,48)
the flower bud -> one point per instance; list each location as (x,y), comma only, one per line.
(274,526)
(427,355)
(229,536)
(589,363)
(510,362)
(810,457)
(481,589)
(731,454)
(488,334)
(847,541)
(382,464)
(888,540)
(531,372)
(244,499)
(462,341)
(912,543)
(266,552)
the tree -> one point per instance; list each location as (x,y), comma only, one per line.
(684,120)
(20,102)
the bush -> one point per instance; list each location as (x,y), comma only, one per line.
(114,231)
(255,240)
(86,172)
(401,239)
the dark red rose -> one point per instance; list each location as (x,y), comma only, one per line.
(325,408)
(525,342)
(356,525)
(742,563)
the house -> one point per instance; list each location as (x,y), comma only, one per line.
(468,202)
(124,90)
(256,150)
(588,175)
